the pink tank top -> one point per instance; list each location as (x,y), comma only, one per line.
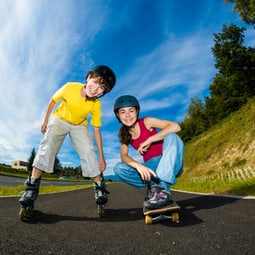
(155,149)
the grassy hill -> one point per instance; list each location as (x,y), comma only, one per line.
(222,160)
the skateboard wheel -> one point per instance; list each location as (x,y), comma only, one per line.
(175,217)
(148,219)
(22,213)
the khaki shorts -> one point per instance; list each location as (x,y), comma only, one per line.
(81,141)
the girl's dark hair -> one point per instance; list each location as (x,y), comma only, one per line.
(124,135)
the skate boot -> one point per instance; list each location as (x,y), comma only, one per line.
(157,198)
(28,197)
(100,196)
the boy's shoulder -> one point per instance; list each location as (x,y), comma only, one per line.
(74,83)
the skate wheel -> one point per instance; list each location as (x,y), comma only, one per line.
(22,213)
(175,217)
(100,210)
(148,219)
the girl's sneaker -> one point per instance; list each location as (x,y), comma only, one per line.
(157,198)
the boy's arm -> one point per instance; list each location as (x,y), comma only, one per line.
(47,115)
(99,144)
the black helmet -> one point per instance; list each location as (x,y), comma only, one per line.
(107,74)
(126,101)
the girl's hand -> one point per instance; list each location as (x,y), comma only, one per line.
(143,147)
(145,172)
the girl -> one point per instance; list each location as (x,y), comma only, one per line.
(162,152)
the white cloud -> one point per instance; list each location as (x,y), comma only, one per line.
(38,41)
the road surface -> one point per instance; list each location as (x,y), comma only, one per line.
(67,223)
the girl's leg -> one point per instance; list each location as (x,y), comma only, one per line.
(131,176)
(171,162)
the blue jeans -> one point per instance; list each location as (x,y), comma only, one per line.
(167,167)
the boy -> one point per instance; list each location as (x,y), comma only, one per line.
(77,102)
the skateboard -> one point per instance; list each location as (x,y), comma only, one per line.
(25,212)
(165,213)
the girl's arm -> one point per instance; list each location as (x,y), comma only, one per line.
(144,171)
(165,127)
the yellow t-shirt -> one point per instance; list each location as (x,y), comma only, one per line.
(75,109)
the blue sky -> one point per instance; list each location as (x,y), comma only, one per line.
(160,51)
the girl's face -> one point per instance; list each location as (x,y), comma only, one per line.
(127,116)
(94,87)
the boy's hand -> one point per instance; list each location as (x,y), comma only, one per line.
(44,127)
(102,165)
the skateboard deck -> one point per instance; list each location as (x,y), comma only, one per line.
(165,213)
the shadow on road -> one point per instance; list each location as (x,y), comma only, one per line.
(45,218)
(191,213)
(192,205)
(111,215)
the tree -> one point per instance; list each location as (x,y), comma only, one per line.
(196,121)
(246,9)
(198,114)
(31,160)
(57,164)
(234,83)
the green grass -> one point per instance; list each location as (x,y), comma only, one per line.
(17,190)
(226,146)
(233,187)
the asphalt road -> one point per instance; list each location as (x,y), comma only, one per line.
(13,181)
(67,223)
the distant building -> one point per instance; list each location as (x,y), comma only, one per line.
(18,164)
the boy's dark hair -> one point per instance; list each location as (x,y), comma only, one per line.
(106,74)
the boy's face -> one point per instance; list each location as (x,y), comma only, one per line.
(127,115)
(94,87)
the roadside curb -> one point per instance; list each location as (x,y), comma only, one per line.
(215,195)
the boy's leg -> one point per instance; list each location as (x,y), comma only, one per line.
(44,159)
(100,190)
(50,145)
(83,145)
(31,191)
